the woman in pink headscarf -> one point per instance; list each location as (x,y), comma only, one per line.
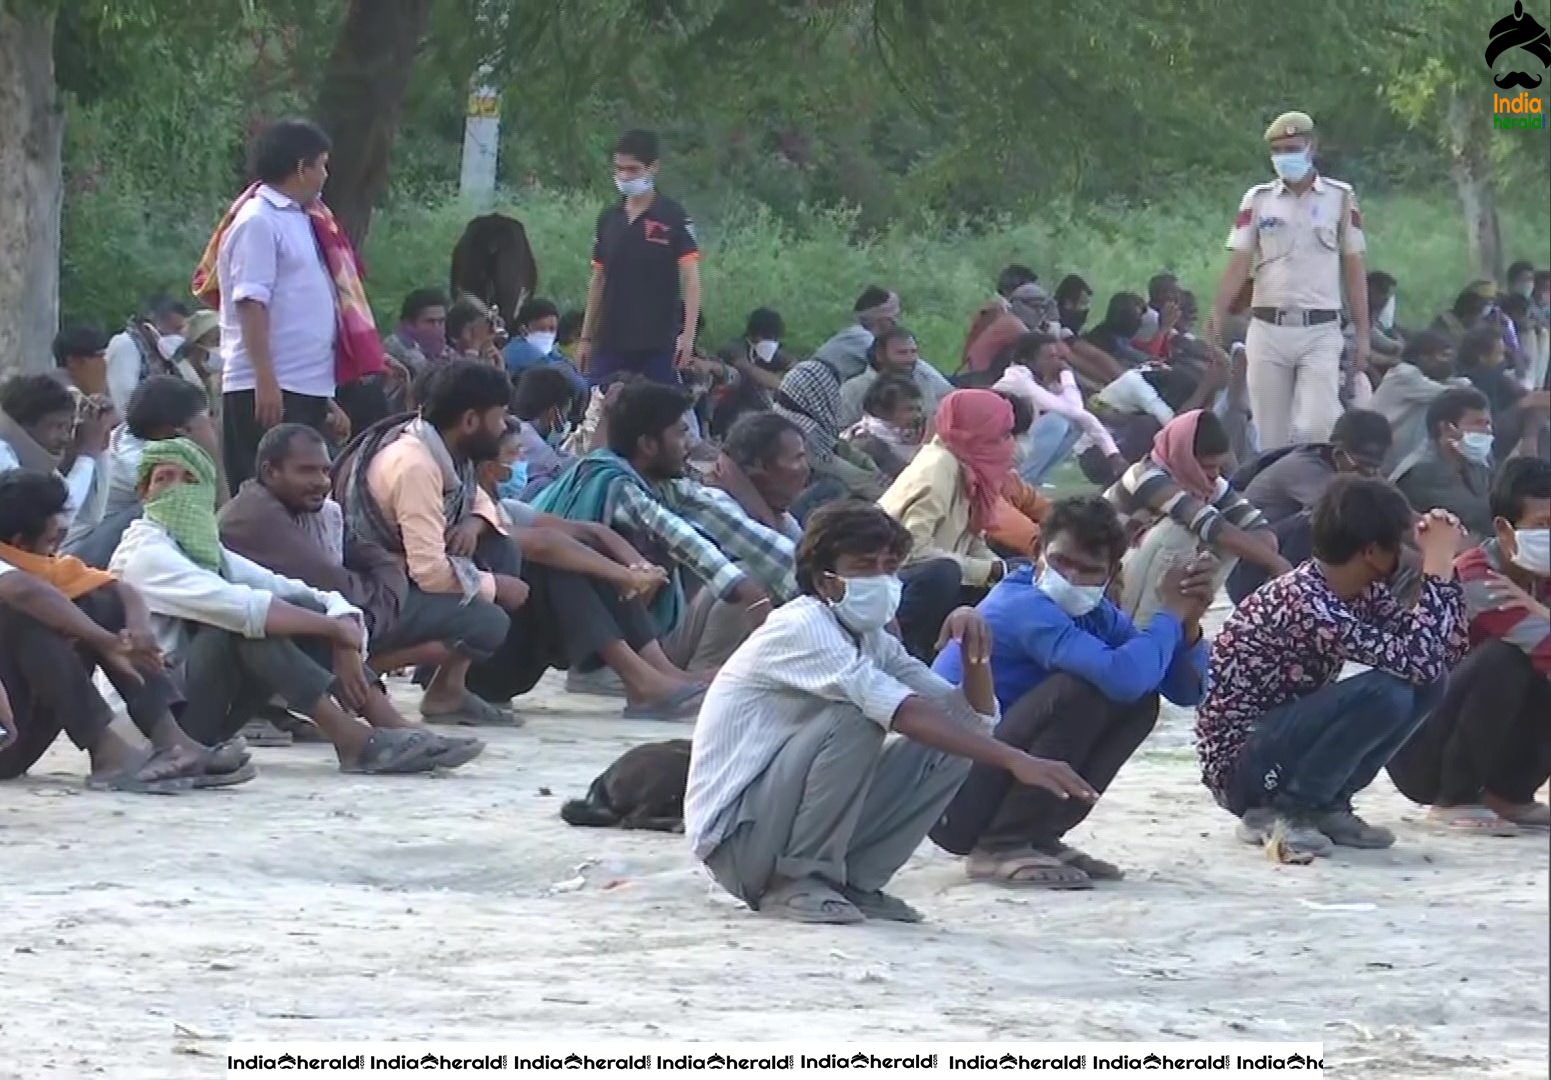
(951,492)
(1179,508)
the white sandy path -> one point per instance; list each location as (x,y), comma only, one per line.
(311,905)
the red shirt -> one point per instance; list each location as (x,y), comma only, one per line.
(1490,620)
(993,330)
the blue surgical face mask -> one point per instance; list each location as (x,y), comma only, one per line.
(1293,165)
(1075,600)
(513,486)
(1476,447)
(638,186)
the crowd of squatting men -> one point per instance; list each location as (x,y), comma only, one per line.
(234,519)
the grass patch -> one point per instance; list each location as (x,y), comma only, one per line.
(121,244)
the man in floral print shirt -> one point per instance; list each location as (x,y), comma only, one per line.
(1282,743)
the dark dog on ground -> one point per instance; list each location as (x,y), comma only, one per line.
(644,789)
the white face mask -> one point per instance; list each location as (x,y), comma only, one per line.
(887,432)
(1533,551)
(1387,313)
(638,186)
(1149,328)
(869,603)
(766,350)
(1476,447)
(544,341)
(169,344)
(1075,600)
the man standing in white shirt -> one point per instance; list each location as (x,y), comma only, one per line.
(278,315)
(795,802)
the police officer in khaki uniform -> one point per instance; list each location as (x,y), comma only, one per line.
(1300,237)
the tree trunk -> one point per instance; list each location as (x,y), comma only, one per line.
(360,100)
(1476,184)
(31,189)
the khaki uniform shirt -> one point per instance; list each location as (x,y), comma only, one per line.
(1297,242)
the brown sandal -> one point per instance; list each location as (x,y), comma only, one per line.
(1025,870)
(1096,868)
(809,901)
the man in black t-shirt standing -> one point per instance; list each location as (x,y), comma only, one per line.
(643,305)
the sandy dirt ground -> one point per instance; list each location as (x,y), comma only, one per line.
(140,934)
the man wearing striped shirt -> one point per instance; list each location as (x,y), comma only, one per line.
(1177,503)
(796,802)
(1486,749)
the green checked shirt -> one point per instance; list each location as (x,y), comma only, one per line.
(636,512)
(764,554)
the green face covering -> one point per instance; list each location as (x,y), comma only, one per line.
(186,511)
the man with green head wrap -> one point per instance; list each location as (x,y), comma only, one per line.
(240,634)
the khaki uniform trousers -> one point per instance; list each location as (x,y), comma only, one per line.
(1294,381)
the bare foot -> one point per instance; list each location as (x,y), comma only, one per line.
(380,713)
(436,702)
(111,772)
(649,692)
(174,744)
(1529,813)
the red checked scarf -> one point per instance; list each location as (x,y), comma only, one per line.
(357,347)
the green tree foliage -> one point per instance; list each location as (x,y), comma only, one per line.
(847,120)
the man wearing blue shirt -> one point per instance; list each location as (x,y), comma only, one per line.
(534,344)
(1076,681)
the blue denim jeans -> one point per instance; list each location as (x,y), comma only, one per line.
(1315,753)
(1048,443)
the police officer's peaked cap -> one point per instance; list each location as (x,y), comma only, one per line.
(1289,124)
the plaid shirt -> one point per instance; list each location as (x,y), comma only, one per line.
(767,556)
(637,512)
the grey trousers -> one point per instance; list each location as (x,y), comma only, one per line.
(838,802)
(227,678)
(709,632)
(474,629)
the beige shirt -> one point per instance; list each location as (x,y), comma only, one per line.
(407,483)
(929,499)
(1297,242)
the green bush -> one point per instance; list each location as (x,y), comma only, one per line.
(121,244)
